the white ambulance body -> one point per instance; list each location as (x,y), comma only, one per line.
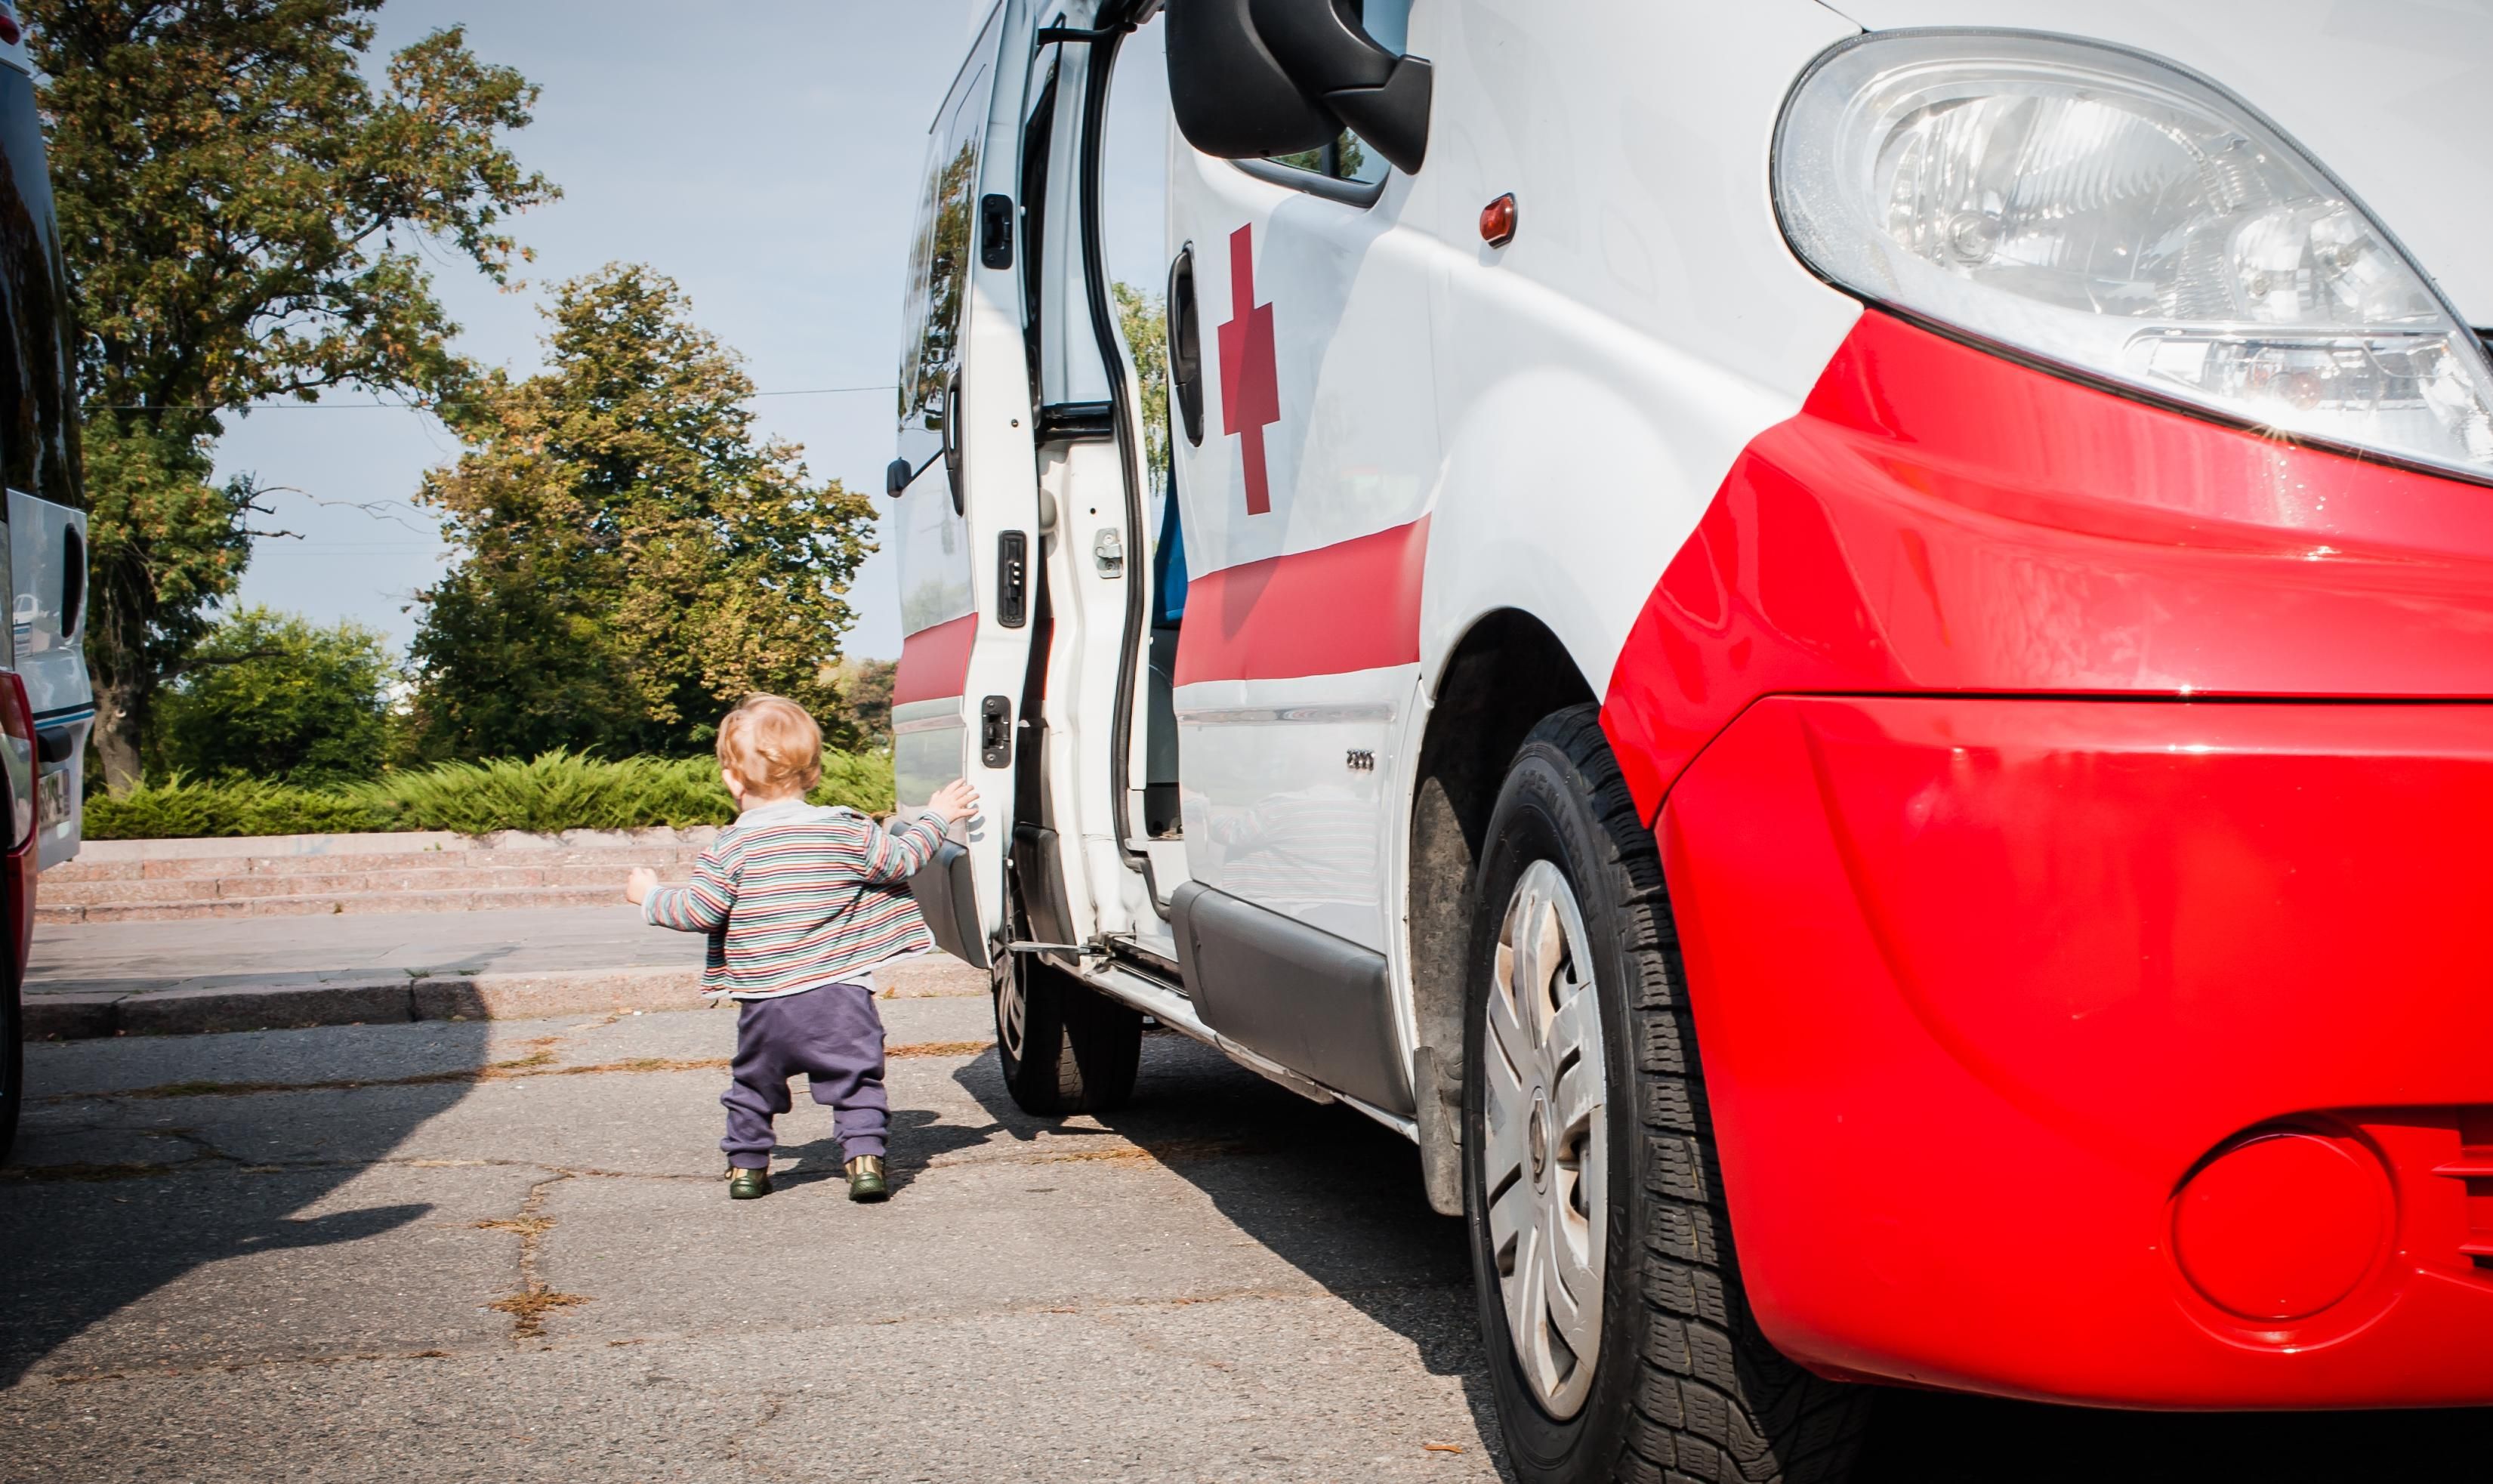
(46,704)
(1717,526)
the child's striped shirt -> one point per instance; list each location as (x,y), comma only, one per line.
(795,896)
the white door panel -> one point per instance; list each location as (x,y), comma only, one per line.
(1304,513)
(1285,788)
(965,388)
(47,566)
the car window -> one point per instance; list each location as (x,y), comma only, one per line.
(939,261)
(1345,156)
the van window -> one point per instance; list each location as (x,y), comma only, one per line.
(1346,158)
(939,261)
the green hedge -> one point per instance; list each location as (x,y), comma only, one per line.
(554,791)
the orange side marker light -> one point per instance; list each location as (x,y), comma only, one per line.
(1497,220)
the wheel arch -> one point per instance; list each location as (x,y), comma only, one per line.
(1507,671)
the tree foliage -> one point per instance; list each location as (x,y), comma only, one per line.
(276,696)
(632,559)
(164,543)
(1144,319)
(242,209)
(866,699)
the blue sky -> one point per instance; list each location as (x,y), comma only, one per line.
(765,155)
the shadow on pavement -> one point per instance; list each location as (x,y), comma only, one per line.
(105,1199)
(1323,1187)
(1925,1438)
(917,1137)
(1340,1200)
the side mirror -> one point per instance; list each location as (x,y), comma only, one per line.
(1256,78)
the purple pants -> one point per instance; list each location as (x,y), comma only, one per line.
(834,1036)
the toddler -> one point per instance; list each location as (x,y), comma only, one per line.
(801,903)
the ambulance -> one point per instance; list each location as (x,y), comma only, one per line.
(1837,651)
(46,703)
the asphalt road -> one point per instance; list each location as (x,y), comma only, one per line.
(505,1254)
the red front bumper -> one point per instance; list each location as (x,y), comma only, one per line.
(1989,991)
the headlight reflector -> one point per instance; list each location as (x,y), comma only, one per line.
(2114,215)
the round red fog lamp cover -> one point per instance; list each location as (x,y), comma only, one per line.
(9,32)
(2281,1225)
(1497,220)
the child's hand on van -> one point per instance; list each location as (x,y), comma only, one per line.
(955,801)
(638,885)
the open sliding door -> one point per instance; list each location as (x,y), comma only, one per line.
(967,520)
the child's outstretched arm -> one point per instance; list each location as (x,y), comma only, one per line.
(700,907)
(900,853)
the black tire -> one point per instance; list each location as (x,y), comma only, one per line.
(12,1068)
(1684,1386)
(1078,1049)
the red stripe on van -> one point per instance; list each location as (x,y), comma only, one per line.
(935,662)
(1353,605)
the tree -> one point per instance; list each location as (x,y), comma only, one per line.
(1145,320)
(241,209)
(631,559)
(866,699)
(276,696)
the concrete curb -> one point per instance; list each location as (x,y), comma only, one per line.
(379,999)
(286,1007)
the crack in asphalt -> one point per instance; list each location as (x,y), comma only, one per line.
(1138,1152)
(590,1345)
(536,1064)
(1160,1151)
(529,1306)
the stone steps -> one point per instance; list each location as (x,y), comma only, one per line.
(608,874)
(335,904)
(128,881)
(82,871)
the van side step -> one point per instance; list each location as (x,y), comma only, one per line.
(1295,996)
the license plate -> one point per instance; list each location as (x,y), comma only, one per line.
(52,799)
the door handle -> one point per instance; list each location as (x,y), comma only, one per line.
(1185,346)
(952,436)
(995,732)
(1012,579)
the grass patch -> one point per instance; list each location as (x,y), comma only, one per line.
(552,792)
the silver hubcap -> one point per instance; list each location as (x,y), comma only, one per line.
(1547,1154)
(1012,1008)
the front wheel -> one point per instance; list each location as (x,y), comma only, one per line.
(1620,1345)
(1065,1048)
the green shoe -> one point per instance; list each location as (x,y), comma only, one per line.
(747,1184)
(865,1179)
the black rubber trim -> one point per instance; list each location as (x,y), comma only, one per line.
(949,900)
(1350,193)
(1038,870)
(1130,449)
(1319,1005)
(1076,422)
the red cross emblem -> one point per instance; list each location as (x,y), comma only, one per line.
(1250,391)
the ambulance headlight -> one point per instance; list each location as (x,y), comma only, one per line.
(2106,213)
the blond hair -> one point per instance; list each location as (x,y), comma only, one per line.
(771,745)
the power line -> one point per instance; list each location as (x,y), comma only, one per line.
(402,406)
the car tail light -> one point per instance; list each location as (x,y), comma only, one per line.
(17,753)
